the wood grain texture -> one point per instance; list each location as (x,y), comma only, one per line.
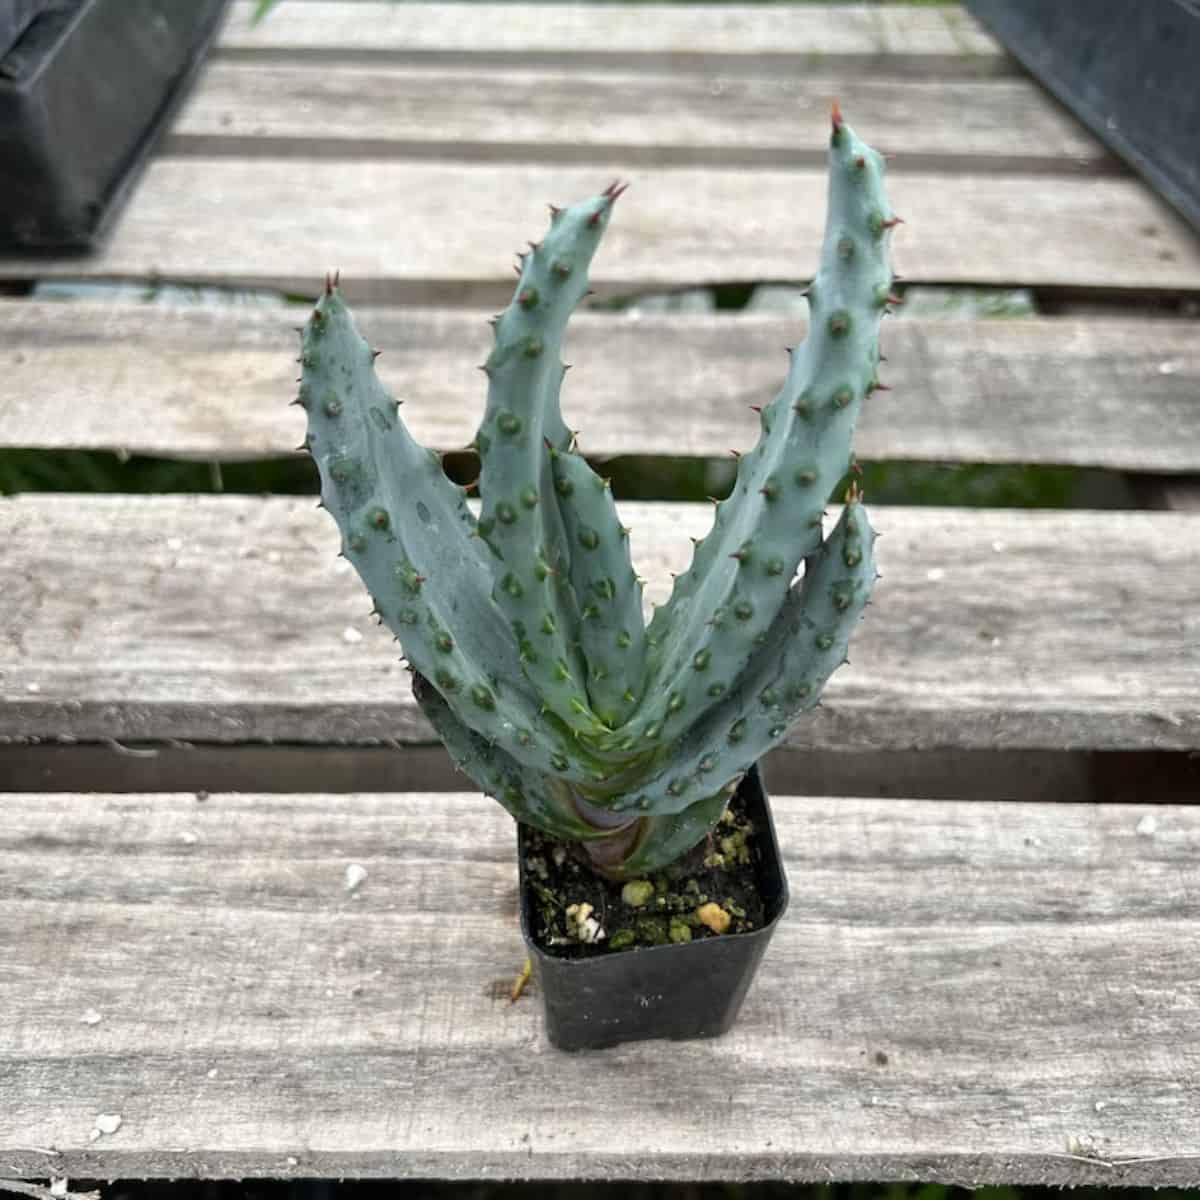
(962,992)
(431,232)
(211,383)
(814,32)
(486,113)
(230,619)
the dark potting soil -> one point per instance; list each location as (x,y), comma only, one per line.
(679,903)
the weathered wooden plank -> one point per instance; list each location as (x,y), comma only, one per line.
(210,383)
(309,108)
(436,231)
(230,619)
(821,35)
(962,992)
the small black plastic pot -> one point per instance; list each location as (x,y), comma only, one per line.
(693,990)
(85,88)
(15,17)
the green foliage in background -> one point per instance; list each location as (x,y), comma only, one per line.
(633,478)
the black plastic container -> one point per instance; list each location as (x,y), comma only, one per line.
(1127,68)
(692,990)
(15,17)
(85,87)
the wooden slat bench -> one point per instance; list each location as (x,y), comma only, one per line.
(987,971)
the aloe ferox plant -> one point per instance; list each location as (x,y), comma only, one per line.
(523,623)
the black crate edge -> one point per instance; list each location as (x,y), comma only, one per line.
(1127,70)
(85,92)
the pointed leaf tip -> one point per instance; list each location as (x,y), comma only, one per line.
(835,114)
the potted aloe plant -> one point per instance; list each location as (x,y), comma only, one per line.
(626,750)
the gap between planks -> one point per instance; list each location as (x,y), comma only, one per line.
(1144,777)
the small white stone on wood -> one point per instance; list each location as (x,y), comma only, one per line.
(107,1123)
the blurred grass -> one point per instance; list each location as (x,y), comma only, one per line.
(103,471)
(633,478)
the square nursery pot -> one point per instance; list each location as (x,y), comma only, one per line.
(85,88)
(1127,69)
(684,991)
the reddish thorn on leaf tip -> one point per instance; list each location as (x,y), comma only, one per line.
(756,408)
(892,222)
(835,113)
(615,190)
